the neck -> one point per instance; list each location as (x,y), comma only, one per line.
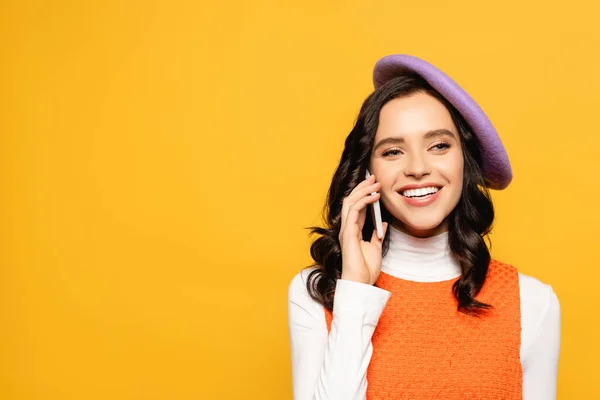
(423,259)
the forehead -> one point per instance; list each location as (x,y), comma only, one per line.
(412,116)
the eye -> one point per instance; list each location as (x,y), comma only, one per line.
(391,152)
(441,146)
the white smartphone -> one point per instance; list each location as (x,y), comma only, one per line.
(376,213)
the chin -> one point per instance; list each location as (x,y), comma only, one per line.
(424,229)
(422,225)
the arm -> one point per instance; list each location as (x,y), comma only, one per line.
(332,366)
(541,351)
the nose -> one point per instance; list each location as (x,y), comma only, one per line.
(417,166)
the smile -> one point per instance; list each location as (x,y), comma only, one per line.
(421,192)
(421,197)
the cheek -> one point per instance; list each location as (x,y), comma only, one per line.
(387,177)
(458,171)
(457,175)
(452,169)
(454,175)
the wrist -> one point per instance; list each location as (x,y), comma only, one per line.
(357,279)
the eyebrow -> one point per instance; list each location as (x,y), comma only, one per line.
(428,135)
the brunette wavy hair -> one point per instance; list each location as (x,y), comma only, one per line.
(468,224)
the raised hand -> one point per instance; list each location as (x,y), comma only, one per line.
(361,260)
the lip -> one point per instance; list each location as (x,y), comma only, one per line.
(424,201)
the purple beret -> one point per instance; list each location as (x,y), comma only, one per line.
(495,165)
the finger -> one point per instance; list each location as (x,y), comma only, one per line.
(365,182)
(356,195)
(365,187)
(365,190)
(354,212)
(384,225)
(362,189)
(375,239)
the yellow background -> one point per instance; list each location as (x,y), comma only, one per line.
(159,160)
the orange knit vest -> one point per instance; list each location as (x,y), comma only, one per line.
(423,348)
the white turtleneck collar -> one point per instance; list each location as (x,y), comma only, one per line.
(419,259)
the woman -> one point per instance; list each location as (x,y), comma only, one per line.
(424,312)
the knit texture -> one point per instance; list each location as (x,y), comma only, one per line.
(423,348)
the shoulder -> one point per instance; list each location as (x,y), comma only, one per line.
(535,294)
(499,268)
(304,312)
(539,306)
(538,299)
(297,288)
(540,316)
(501,282)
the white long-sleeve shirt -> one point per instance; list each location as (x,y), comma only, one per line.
(333,365)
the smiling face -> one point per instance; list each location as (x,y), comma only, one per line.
(418,159)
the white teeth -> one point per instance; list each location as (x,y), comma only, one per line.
(420,191)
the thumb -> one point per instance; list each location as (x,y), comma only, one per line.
(375,239)
(384,225)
